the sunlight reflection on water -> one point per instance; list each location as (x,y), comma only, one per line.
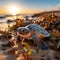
(4,24)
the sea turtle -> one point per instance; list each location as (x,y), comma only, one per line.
(33,32)
(38,31)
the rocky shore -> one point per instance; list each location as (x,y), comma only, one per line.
(15,46)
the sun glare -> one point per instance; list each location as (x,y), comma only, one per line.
(13,10)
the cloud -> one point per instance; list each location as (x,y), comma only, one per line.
(57,7)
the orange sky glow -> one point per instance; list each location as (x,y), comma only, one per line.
(21,11)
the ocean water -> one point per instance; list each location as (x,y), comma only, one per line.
(4,24)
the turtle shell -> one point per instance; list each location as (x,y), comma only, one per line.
(39,29)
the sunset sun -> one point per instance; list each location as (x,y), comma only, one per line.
(13,10)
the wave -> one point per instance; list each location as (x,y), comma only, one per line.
(4,24)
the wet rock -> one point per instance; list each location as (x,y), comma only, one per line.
(7,57)
(11,51)
(57,58)
(51,55)
(4,43)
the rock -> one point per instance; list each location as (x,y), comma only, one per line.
(7,57)
(4,43)
(11,51)
(51,55)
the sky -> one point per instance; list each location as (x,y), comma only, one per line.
(28,6)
